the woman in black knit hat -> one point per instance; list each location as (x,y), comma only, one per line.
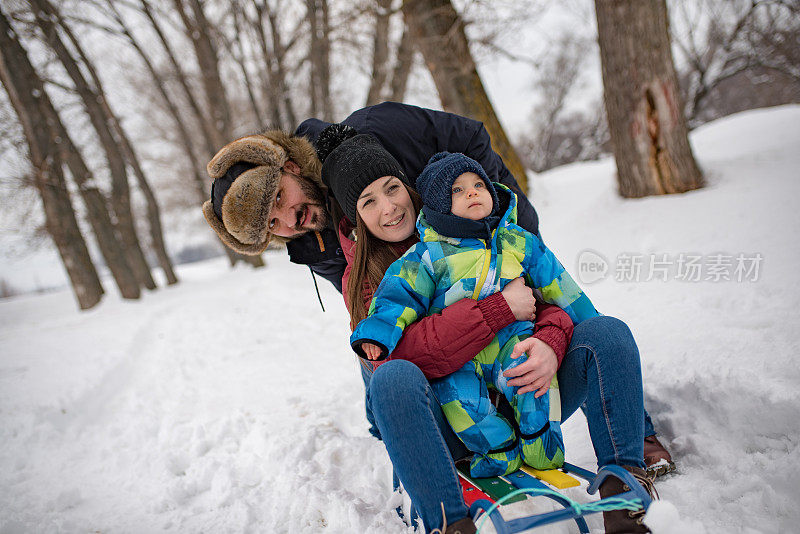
(375,210)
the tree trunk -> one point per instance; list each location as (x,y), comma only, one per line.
(237,51)
(380,52)
(438,33)
(199,179)
(45,16)
(97,212)
(153,210)
(217,104)
(402,67)
(279,51)
(643,103)
(201,117)
(198,32)
(324,61)
(25,90)
(269,76)
(319,29)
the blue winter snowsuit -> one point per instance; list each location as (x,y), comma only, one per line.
(441,270)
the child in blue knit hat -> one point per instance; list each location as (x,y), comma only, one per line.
(470,246)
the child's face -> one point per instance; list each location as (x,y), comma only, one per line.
(470,198)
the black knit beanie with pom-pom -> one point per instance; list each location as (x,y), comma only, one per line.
(352,161)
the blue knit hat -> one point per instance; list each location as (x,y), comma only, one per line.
(435,183)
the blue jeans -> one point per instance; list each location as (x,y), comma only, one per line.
(600,374)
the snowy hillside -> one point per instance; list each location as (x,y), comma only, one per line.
(231,403)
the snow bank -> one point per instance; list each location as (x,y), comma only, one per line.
(231,403)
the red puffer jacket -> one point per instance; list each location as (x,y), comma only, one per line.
(441,344)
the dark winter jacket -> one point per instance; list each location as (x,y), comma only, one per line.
(412,135)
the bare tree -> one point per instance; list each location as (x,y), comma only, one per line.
(151,203)
(726,44)
(235,47)
(202,118)
(25,90)
(318,18)
(643,104)
(402,67)
(273,60)
(94,104)
(438,32)
(197,29)
(97,210)
(160,83)
(558,74)
(380,51)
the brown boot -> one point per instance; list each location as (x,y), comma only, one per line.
(462,526)
(657,458)
(626,521)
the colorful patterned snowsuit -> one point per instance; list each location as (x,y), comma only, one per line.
(441,270)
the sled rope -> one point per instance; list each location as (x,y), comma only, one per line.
(609,504)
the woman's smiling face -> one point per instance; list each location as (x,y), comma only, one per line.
(386,209)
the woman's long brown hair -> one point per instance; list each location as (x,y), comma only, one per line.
(372,257)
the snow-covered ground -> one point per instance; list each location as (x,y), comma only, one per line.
(231,403)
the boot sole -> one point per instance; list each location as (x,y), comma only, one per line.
(660,469)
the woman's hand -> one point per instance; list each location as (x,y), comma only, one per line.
(373,352)
(520,299)
(536,373)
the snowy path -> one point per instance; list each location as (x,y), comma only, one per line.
(231,403)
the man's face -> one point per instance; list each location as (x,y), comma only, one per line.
(299,206)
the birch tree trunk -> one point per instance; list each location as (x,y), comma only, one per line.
(438,32)
(643,103)
(25,90)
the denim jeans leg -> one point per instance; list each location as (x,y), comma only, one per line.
(649,429)
(601,373)
(413,428)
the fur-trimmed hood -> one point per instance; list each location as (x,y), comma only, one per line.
(246,205)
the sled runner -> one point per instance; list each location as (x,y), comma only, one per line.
(532,482)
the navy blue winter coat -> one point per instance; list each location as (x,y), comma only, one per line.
(412,135)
